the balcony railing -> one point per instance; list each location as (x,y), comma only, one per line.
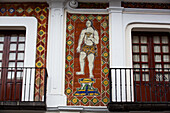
(23,88)
(146,89)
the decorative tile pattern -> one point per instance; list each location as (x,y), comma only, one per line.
(86,88)
(84,5)
(145,5)
(39,11)
(95,100)
(80,89)
(75,100)
(84,100)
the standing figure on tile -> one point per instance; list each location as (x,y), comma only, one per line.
(90,37)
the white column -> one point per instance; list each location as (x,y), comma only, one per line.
(55,55)
(116,47)
(116,37)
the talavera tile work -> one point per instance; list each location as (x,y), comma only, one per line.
(39,11)
(87,59)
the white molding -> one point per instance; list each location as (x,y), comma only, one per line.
(87,11)
(128,40)
(80,108)
(30,48)
(146,11)
(115,9)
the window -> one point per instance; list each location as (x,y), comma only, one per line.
(12,46)
(151,58)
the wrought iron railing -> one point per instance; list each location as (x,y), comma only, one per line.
(139,85)
(22,85)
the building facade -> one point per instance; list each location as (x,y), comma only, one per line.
(85,56)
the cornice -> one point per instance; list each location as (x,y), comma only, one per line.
(80,108)
(56,3)
(146,11)
(115,9)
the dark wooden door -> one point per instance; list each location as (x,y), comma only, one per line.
(151,55)
(12,44)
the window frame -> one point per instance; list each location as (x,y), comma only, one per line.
(30,47)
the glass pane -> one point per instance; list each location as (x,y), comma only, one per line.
(20,56)
(14,38)
(156,39)
(157,49)
(136,66)
(144,49)
(166,58)
(167,77)
(1,47)
(165,49)
(10,75)
(20,64)
(166,65)
(136,58)
(21,47)
(144,58)
(137,77)
(136,48)
(158,66)
(135,39)
(19,75)
(0,74)
(143,39)
(159,77)
(21,37)
(164,39)
(13,47)
(12,56)
(145,77)
(144,66)
(157,58)
(1,56)
(11,64)
(0,64)
(1,37)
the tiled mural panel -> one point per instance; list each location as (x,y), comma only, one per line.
(39,11)
(85,87)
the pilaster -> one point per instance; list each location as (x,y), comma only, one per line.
(116,34)
(55,55)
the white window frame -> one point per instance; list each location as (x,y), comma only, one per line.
(30,23)
(128,40)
